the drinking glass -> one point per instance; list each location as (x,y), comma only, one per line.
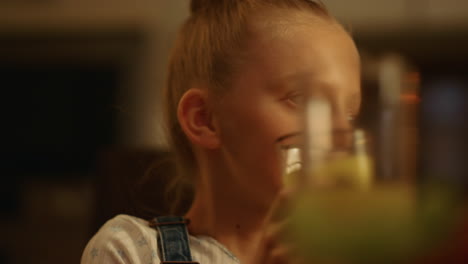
(343,212)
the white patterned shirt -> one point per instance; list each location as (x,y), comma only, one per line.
(128,239)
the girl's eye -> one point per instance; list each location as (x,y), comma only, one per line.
(296,99)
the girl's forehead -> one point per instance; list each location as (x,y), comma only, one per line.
(277,22)
(302,42)
(302,52)
(298,31)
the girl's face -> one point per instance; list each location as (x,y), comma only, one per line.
(283,62)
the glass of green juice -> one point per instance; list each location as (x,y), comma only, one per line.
(342,212)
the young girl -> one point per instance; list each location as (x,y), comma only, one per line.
(237,75)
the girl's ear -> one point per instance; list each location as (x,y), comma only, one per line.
(195,118)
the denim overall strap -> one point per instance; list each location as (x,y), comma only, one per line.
(173,240)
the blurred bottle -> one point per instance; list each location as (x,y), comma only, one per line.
(398,83)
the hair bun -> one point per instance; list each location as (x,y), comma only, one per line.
(197,5)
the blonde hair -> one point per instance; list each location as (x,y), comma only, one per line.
(206,53)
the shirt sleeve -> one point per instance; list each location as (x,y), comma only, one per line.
(123,239)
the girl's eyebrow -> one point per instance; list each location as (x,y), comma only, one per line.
(297,76)
(297,79)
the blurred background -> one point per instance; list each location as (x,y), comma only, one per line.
(81,108)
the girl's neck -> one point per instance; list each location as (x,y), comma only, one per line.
(229,218)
